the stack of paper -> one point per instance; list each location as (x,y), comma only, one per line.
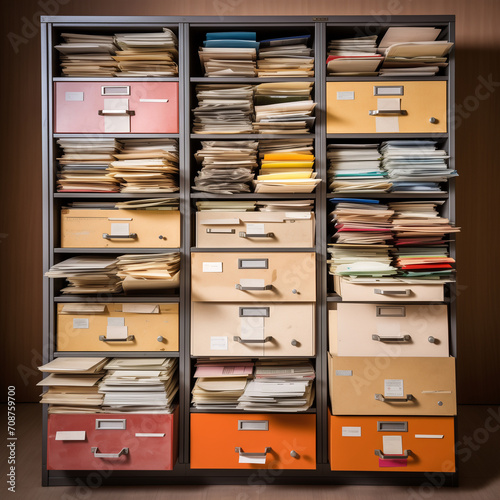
(87,55)
(140,385)
(415,165)
(219,384)
(227,166)
(226,206)
(151,204)
(290,108)
(229,54)
(223,109)
(355,167)
(289,57)
(353,56)
(84,165)
(149,272)
(147,54)
(279,386)
(87,274)
(147,166)
(285,206)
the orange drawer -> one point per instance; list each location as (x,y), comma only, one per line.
(238,441)
(364,443)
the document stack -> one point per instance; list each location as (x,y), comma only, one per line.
(136,385)
(149,272)
(356,167)
(220,383)
(229,54)
(72,385)
(279,386)
(83,167)
(284,108)
(87,274)
(413,51)
(420,248)
(147,54)
(227,166)
(223,109)
(285,206)
(415,165)
(286,57)
(87,55)
(147,166)
(226,206)
(353,56)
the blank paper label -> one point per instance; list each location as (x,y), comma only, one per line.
(343,373)
(80,322)
(346,95)
(212,267)
(120,229)
(393,388)
(392,445)
(218,343)
(351,431)
(74,96)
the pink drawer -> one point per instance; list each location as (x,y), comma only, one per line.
(112,441)
(116,108)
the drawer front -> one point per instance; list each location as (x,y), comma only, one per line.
(155,328)
(383,292)
(388,330)
(249,277)
(358,107)
(127,107)
(253,441)
(254,230)
(250,329)
(358,443)
(75,441)
(120,228)
(392,386)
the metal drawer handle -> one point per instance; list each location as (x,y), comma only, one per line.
(405,455)
(107,236)
(247,288)
(252,341)
(116,112)
(221,231)
(384,399)
(404,338)
(406,292)
(97,454)
(375,112)
(102,338)
(244,234)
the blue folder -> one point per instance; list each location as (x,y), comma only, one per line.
(232,35)
(231,44)
(353,200)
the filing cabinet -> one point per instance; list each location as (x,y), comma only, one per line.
(124,107)
(82,228)
(112,441)
(387,329)
(117,327)
(392,385)
(422,444)
(386,107)
(250,329)
(255,276)
(254,229)
(253,441)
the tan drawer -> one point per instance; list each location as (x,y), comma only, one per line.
(92,228)
(388,330)
(362,107)
(250,329)
(392,386)
(117,327)
(256,276)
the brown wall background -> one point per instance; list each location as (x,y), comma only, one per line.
(478,61)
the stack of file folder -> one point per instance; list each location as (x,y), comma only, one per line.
(356,167)
(136,385)
(147,166)
(279,386)
(84,165)
(286,57)
(285,206)
(227,166)
(219,384)
(149,272)
(223,109)
(353,56)
(226,206)
(87,55)
(147,54)
(229,54)
(415,165)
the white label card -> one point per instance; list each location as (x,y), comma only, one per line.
(392,445)
(253,228)
(117,332)
(141,308)
(218,343)
(212,267)
(73,96)
(298,215)
(70,436)
(351,431)
(343,373)
(258,459)
(393,388)
(120,229)
(346,95)
(80,322)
